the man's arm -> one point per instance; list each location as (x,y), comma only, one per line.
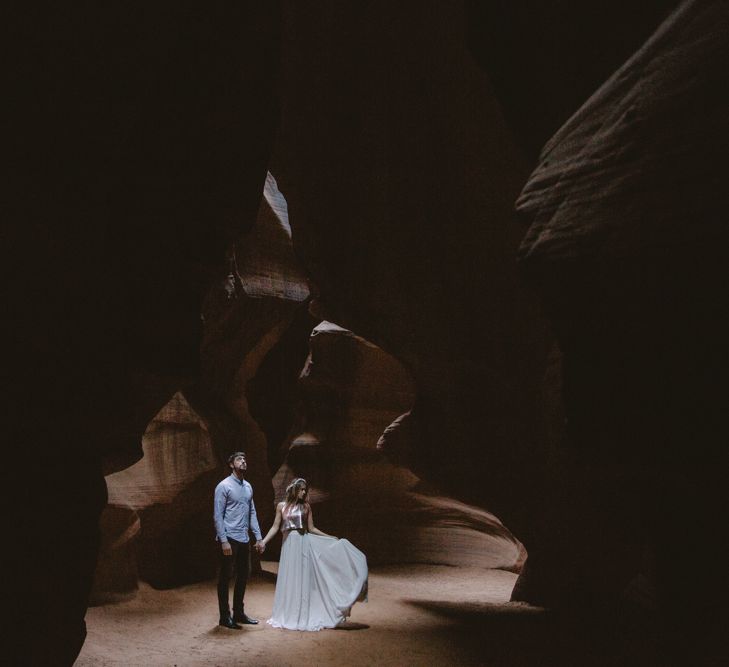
(219,503)
(253,523)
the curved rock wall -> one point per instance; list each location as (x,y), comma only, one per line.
(177,450)
(626,248)
(139,147)
(350,391)
(168,494)
(153,525)
(138,138)
(244,318)
(401,176)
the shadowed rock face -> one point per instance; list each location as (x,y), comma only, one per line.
(545,58)
(422,167)
(350,391)
(401,177)
(138,139)
(244,319)
(158,509)
(138,146)
(627,250)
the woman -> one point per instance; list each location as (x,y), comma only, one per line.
(320,577)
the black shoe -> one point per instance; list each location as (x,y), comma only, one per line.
(240,617)
(228,622)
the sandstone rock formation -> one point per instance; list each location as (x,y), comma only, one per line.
(627,250)
(241,327)
(177,450)
(163,503)
(401,174)
(137,144)
(350,391)
(529,52)
(151,526)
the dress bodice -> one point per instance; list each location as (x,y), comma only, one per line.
(295,517)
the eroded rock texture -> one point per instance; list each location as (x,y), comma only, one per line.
(350,391)
(138,143)
(166,498)
(401,176)
(241,327)
(627,249)
(177,450)
(546,58)
(156,523)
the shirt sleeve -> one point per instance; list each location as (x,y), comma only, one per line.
(219,512)
(254,520)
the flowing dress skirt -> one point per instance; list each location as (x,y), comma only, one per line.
(319,579)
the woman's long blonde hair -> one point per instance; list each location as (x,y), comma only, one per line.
(292,491)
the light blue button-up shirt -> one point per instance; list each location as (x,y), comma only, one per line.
(234,512)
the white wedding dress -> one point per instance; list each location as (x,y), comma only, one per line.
(319,580)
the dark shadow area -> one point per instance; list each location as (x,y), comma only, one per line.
(265,575)
(528,50)
(273,391)
(516,635)
(351,625)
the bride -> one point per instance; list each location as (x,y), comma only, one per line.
(320,577)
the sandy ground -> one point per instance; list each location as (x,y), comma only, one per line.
(416,615)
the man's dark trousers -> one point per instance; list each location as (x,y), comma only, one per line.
(240,560)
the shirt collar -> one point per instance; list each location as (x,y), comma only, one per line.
(235,479)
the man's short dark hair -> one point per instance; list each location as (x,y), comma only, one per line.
(234,456)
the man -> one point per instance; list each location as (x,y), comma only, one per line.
(235,514)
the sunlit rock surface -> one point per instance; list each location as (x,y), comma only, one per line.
(139,143)
(544,59)
(152,500)
(244,318)
(351,391)
(177,450)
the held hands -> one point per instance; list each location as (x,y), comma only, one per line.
(260,547)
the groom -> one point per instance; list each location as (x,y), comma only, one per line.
(235,514)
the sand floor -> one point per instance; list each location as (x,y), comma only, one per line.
(416,615)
